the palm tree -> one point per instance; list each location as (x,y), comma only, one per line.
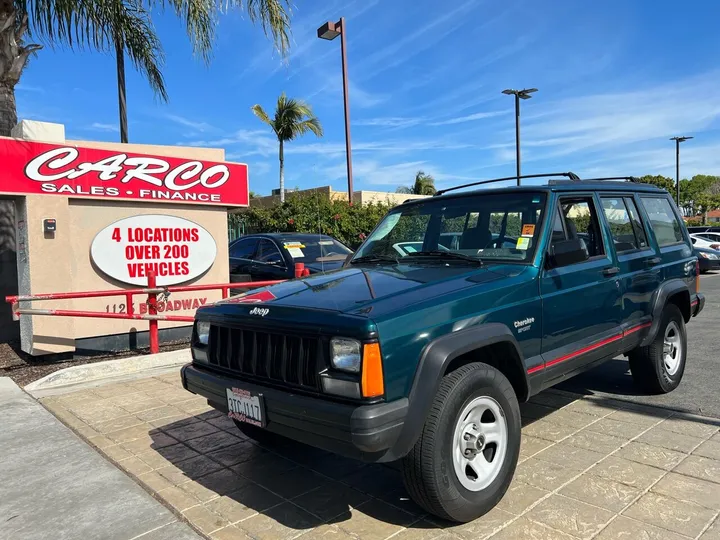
(293,118)
(424,185)
(121,26)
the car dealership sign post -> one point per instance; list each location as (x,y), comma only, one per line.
(39,168)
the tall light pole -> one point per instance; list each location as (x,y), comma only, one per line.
(330,31)
(519,94)
(678,140)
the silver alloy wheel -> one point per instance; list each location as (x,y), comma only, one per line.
(672,348)
(479,443)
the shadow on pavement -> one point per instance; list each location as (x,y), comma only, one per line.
(215,458)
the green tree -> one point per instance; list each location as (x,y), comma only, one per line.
(116,25)
(424,185)
(292,119)
(663,182)
(700,194)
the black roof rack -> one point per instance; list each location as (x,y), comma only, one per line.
(633,179)
(572,176)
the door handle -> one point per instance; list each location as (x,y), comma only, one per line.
(613,270)
(653,261)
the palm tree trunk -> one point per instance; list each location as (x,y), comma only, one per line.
(282,173)
(8,110)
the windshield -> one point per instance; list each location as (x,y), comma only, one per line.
(319,249)
(498,226)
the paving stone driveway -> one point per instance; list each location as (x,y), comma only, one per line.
(589,468)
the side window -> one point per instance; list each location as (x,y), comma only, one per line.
(582,223)
(243,249)
(663,221)
(624,232)
(637,224)
(269,253)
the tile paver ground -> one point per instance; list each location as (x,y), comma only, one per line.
(589,468)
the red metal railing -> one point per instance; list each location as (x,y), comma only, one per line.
(152,291)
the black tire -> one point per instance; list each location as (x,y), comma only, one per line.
(647,364)
(428,469)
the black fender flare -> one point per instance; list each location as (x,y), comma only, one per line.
(434,360)
(660,298)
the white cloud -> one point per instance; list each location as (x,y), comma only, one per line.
(389,121)
(610,120)
(468,118)
(181,120)
(415,42)
(98,126)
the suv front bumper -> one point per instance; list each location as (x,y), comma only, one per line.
(365,432)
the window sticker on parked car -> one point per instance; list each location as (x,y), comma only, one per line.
(528,229)
(325,242)
(523,243)
(295,252)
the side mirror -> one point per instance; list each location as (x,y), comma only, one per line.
(567,252)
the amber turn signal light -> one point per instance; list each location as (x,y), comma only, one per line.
(373,384)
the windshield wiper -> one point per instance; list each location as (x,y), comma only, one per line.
(375,259)
(439,254)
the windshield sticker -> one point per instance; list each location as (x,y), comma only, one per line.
(289,245)
(528,230)
(325,242)
(536,200)
(295,252)
(523,243)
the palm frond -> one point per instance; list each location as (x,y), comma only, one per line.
(311,125)
(262,115)
(199,17)
(273,16)
(99,24)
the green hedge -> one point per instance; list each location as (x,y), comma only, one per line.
(312,213)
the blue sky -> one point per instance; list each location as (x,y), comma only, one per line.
(616,80)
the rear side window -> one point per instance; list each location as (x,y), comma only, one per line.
(243,249)
(581,222)
(625,227)
(662,218)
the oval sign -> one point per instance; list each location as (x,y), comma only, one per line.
(176,249)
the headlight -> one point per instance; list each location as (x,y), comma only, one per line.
(345,354)
(202,329)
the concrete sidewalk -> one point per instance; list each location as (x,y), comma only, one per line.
(53,485)
(590,468)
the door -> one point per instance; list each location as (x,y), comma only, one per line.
(268,263)
(637,260)
(9,329)
(241,255)
(581,301)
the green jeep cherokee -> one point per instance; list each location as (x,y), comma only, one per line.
(455,309)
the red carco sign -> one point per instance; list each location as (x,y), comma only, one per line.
(39,168)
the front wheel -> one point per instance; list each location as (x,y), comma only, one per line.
(463,462)
(658,368)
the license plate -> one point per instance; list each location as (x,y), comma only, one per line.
(245,406)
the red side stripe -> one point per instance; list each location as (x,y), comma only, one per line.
(589,348)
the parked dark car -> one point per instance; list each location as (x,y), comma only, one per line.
(267,257)
(709,259)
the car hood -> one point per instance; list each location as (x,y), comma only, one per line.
(376,289)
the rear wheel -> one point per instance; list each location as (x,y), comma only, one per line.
(658,368)
(463,462)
